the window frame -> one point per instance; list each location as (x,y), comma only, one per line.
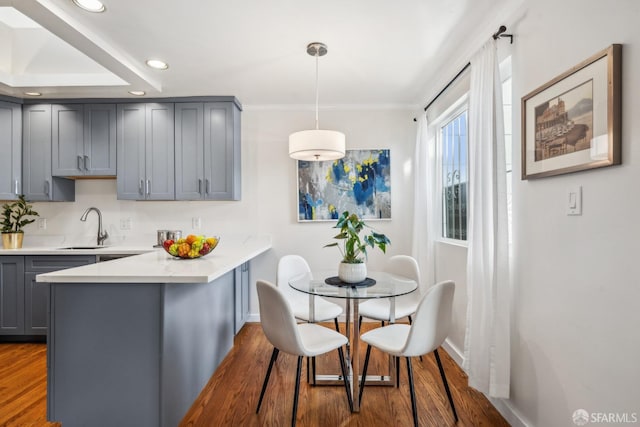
(453,111)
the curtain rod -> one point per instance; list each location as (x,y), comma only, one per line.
(498,34)
(447,86)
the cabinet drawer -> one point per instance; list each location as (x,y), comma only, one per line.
(49,263)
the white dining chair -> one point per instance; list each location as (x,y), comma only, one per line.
(428,331)
(299,339)
(406,305)
(294,265)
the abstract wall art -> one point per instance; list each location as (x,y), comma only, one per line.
(359,183)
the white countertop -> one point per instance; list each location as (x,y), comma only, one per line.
(159,267)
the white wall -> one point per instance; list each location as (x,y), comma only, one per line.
(576,278)
(269,194)
(577,282)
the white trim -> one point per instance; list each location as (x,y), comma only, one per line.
(344,107)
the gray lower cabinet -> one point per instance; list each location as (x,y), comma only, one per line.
(145,151)
(24,302)
(241,296)
(84,140)
(11,148)
(38,181)
(11,295)
(207,151)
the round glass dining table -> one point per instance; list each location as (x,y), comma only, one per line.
(378,285)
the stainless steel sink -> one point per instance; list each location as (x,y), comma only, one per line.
(84,247)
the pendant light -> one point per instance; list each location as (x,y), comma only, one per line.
(317,144)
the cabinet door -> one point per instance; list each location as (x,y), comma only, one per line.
(36,144)
(189,151)
(99,148)
(130,151)
(36,305)
(11,295)
(11,148)
(241,275)
(159,152)
(221,151)
(67,140)
(36,294)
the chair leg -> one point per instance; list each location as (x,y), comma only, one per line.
(274,356)
(446,384)
(360,323)
(397,371)
(335,321)
(413,392)
(410,324)
(313,370)
(346,379)
(297,391)
(364,373)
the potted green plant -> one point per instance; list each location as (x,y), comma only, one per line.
(14,217)
(353,247)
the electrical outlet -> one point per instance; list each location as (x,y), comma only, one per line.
(125,223)
(196,223)
(42,223)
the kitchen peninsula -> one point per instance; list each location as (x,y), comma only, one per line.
(133,341)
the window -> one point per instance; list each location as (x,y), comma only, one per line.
(453,168)
(448,121)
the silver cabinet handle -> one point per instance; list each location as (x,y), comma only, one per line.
(16,189)
(206,185)
(200,186)
(79,162)
(140,187)
(87,163)
(148,187)
(47,188)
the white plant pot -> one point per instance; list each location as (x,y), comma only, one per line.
(352,273)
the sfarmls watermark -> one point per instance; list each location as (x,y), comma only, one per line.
(581,417)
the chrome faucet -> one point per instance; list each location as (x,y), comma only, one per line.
(102,235)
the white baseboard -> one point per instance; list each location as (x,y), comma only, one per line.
(513,416)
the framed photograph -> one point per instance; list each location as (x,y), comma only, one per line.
(573,122)
(359,183)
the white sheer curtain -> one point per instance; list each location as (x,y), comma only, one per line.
(424,209)
(487,344)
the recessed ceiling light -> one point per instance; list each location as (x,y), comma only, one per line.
(33,93)
(137,92)
(157,64)
(90,5)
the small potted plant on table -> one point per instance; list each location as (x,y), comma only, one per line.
(14,217)
(353,269)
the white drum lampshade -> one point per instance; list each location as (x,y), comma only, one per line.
(317,145)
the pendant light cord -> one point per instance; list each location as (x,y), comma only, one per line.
(317,90)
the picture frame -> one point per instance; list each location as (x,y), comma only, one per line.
(360,183)
(573,122)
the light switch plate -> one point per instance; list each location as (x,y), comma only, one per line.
(574,200)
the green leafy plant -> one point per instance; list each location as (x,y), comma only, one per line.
(15,215)
(352,247)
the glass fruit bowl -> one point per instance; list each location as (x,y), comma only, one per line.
(191,246)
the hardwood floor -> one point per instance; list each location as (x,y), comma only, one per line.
(230,397)
(23,385)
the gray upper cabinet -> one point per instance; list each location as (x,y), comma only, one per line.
(38,182)
(84,140)
(145,151)
(208,151)
(11,147)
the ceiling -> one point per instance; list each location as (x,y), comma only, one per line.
(380,52)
